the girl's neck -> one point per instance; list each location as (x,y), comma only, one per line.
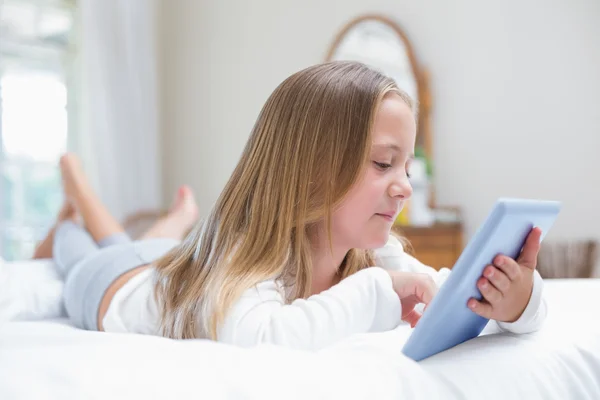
(326,264)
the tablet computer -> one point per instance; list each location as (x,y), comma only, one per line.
(448,321)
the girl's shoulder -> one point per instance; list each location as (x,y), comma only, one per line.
(267,290)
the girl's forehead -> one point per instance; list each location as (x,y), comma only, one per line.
(394,127)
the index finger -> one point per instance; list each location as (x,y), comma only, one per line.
(426,290)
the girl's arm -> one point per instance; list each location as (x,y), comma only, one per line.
(392,257)
(363,302)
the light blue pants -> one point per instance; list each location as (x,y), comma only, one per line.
(89,268)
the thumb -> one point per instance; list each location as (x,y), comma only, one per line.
(531,248)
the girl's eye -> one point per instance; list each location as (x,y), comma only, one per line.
(382,166)
(408,174)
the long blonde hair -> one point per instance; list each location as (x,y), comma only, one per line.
(307,148)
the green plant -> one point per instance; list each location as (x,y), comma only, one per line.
(420,153)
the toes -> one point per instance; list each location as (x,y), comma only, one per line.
(184,194)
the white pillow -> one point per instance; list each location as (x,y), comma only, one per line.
(30,290)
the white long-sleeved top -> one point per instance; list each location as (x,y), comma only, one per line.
(363,302)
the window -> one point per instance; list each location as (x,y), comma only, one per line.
(35,64)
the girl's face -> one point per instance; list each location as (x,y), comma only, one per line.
(366,215)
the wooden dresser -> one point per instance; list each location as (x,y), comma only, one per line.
(438,246)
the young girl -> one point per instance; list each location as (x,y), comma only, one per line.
(297,249)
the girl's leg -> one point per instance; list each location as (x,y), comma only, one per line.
(181,217)
(103,227)
(44,248)
(98,221)
(105,230)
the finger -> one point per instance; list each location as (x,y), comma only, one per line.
(531,248)
(425,289)
(488,291)
(412,318)
(509,266)
(481,308)
(497,278)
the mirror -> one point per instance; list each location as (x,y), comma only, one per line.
(380,43)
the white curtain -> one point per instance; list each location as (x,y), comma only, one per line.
(119,126)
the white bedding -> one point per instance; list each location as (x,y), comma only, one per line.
(49,359)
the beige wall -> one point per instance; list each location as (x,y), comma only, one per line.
(516,86)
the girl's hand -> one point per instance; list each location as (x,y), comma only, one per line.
(506,286)
(412,289)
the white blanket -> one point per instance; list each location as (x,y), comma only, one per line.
(49,359)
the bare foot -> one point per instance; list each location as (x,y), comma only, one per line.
(44,248)
(184,205)
(181,217)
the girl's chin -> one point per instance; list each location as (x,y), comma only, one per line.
(377,241)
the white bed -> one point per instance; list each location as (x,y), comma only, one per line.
(49,359)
